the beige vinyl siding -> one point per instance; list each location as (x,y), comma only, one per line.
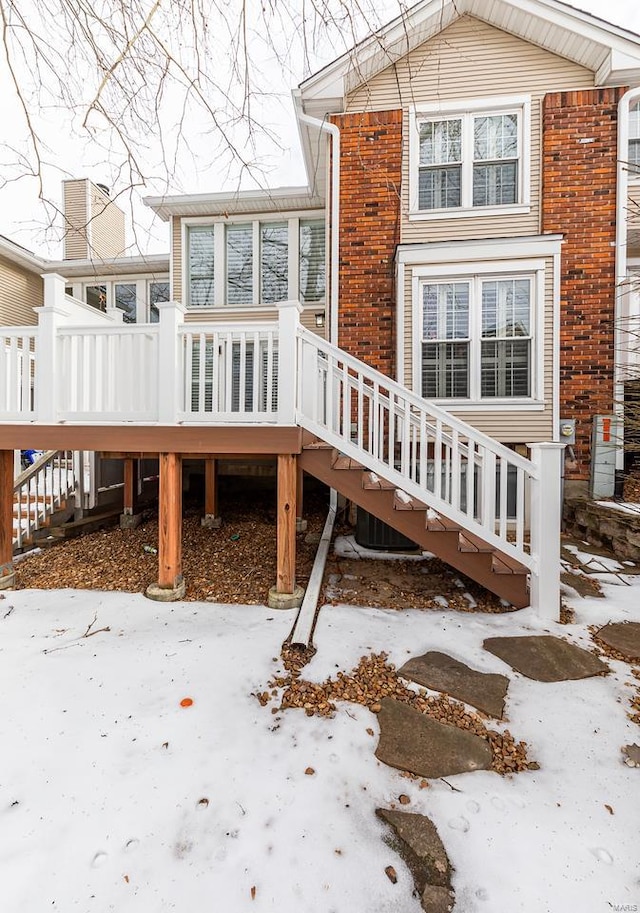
(75,209)
(20,292)
(107,225)
(176,257)
(249,316)
(506,425)
(471,60)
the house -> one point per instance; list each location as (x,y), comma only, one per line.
(424,327)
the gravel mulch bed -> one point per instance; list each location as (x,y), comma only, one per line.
(375,678)
(234,564)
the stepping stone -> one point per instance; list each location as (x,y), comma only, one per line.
(416,841)
(411,741)
(623,636)
(444,673)
(545,658)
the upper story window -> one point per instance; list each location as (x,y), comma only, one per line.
(234,264)
(201,266)
(634,140)
(469,160)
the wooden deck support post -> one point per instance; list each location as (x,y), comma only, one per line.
(170,585)
(211,519)
(285,594)
(129,518)
(7,573)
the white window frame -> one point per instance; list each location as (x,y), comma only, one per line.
(79,286)
(476,274)
(292,219)
(467,111)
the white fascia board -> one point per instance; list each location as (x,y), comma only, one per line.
(21,256)
(619,69)
(166,206)
(489,249)
(426,19)
(152,264)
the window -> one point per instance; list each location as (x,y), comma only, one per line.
(445,340)
(239,264)
(634,140)
(312,260)
(125,298)
(467,159)
(201,266)
(252,262)
(158,291)
(274,262)
(476,339)
(96,296)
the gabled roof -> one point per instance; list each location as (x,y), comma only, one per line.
(611,52)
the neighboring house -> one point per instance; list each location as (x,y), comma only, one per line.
(97,273)
(471,171)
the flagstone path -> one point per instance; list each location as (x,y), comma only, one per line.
(544,658)
(622,636)
(444,673)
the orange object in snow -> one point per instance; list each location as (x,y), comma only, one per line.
(186,702)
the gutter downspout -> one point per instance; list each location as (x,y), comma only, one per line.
(622,215)
(334,132)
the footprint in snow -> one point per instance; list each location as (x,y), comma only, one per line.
(131,844)
(459,824)
(498,803)
(482,894)
(473,806)
(602,855)
(98,860)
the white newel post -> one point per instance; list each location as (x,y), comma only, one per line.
(288,321)
(50,317)
(546,516)
(170,381)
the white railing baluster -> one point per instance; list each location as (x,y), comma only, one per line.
(504,470)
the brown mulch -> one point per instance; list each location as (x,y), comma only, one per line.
(234,564)
(375,678)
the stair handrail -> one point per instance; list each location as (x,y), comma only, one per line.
(40,489)
(489,456)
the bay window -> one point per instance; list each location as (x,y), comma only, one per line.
(235,264)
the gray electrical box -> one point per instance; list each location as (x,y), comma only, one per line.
(605,441)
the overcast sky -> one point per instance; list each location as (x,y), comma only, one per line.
(278,161)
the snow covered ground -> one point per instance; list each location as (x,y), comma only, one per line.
(113,796)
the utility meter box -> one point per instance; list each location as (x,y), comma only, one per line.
(605,442)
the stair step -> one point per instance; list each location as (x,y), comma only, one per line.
(403,501)
(503,564)
(342,461)
(441,524)
(317,445)
(470,543)
(372,481)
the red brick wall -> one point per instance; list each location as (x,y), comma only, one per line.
(579,200)
(370,175)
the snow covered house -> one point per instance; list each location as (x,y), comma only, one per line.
(424,327)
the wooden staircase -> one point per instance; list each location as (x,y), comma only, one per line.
(468,553)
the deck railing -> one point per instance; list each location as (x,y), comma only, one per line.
(17,373)
(174,372)
(42,489)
